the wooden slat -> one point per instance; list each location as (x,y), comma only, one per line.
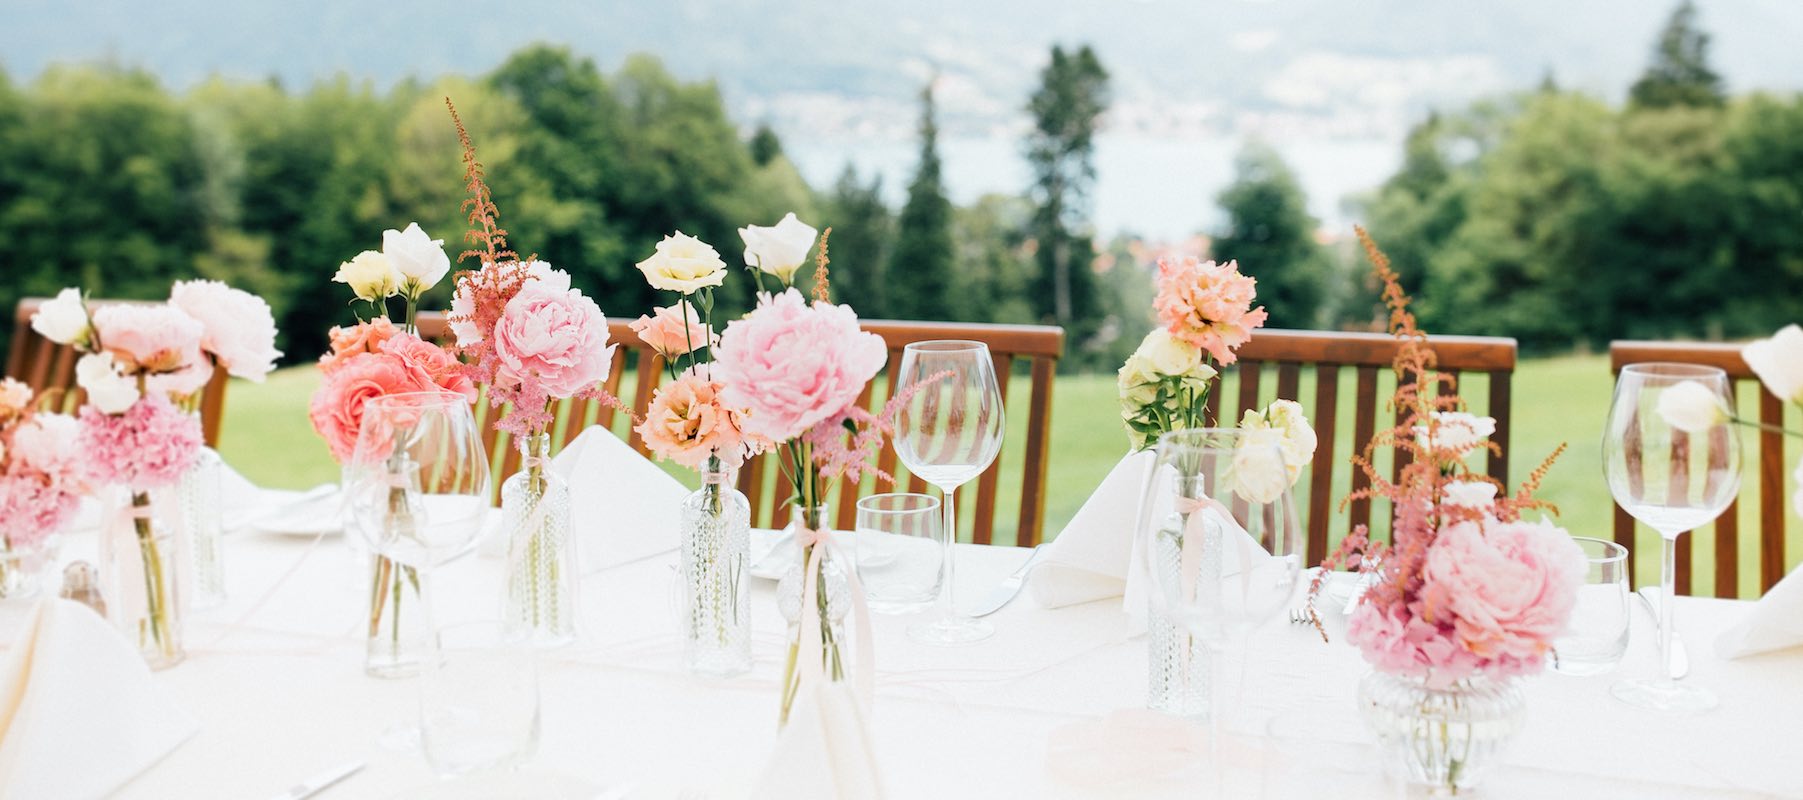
(1248,399)
(886,458)
(1771,491)
(1289,380)
(1364,426)
(651,367)
(1039,429)
(1500,407)
(1624,536)
(1452,353)
(1727,526)
(751,484)
(1676,492)
(1320,489)
(984,529)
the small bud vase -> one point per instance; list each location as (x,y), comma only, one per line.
(1442,738)
(139,548)
(541,553)
(832,597)
(716,543)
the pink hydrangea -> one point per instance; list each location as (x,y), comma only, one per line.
(47,444)
(1208,305)
(555,338)
(686,423)
(159,341)
(675,330)
(1396,640)
(40,476)
(237,326)
(15,398)
(147,447)
(792,365)
(1507,588)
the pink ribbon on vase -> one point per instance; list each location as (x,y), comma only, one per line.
(812,652)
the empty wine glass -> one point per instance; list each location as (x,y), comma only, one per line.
(947,434)
(1674,481)
(419,478)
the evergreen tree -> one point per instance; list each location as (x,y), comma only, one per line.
(922,260)
(1066,109)
(1680,74)
(764,145)
(1270,233)
(861,226)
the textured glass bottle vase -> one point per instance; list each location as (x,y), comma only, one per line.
(716,543)
(1443,739)
(1178,669)
(833,597)
(141,575)
(541,556)
(197,503)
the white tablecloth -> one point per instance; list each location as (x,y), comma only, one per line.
(276,678)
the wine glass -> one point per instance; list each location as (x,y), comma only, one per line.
(947,433)
(1220,542)
(419,478)
(1673,480)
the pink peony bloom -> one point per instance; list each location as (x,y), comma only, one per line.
(358,339)
(437,366)
(791,365)
(686,423)
(337,406)
(159,341)
(1507,588)
(556,338)
(47,443)
(147,447)
(675,330)
(237,326)
(1398,641)
(1208,305)
(34,506)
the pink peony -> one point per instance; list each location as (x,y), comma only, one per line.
(1398,641)
(47,443)
(686,423)
(556,338)
(147,447)
(237,326)
(337,406)
(1506,588)
(159,341)
(34,506)
(1208,305)
(439,367)
(358,339)
(792,365)
(675,330)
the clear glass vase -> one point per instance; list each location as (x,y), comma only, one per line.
(541,553)
(200,523)
(833,597)
(716,543)
(399,637)
(1178,669)
(1443,739)
(141,574)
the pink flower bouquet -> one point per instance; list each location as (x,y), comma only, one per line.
(41,479)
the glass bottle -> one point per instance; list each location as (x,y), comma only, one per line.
(139,548)
(716,543)
(541,553)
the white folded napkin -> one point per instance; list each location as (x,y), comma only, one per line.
(1091,557)
(80,713)
(1773,623)
(825,750)
(623,506)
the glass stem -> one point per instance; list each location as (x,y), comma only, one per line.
(1668,577)
(948,606)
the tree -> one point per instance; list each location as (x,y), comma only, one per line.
(1270,233)
(862,229)
(922,258)
(995,267)
(1067,110)
(764,145)
(1680,74)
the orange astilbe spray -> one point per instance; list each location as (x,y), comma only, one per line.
(822,291)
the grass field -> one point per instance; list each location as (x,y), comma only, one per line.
(267,436)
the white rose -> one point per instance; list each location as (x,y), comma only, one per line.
(1259,472)
(683,264)
(108,389)
(1137,382)
(1299,442)
(1471,494)
(1691,407)
(1457,432)
(64,319)
(779,250)
(1778,362)
(1170,355)
(370,275)
(419,260)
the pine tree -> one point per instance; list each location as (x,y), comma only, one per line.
(861,225)
(1270,233)
(1066,109)
(921,263)
(764,145)
(1680,74)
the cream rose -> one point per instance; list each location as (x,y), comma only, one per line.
(1260,474)
(370,275)
(779,250)
(108,389)
(1691,407)
(683,264)
(64,319)
(1778,362)
(420,261)
(1471,494)
(1296,437)
(1170,355)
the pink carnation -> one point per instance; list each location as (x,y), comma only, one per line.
(237,326)
(1208,305)
(356,340)
(337,406)
(675,330)
(147,447)
(686,423)
(555,338)
(1507,588)
(791,365)
(159,341)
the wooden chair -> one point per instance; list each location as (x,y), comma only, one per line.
(1770,445)
(761,479)
(1365,355)
(49,369)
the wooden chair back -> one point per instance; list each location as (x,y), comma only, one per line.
(1036,347)
(49,369)
(1727,537)
(1329,356)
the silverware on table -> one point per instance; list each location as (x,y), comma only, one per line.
(1680,660)
(1009,588)
(320,782)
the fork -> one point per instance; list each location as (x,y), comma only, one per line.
(1300,616)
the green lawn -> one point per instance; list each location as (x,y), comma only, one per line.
(267,436)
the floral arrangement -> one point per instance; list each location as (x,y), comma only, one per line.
(41,478)
(1467,586)
(1205,313)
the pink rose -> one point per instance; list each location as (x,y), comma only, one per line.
(686,422)
(433,363)
(1208,305)
(1507,588)
(159,341)
(337,406)
(791,365)
(555,337)
(675,330)
(237,326)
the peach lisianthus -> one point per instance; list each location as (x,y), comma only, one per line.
(675,330)
(687,423)
(1208,305)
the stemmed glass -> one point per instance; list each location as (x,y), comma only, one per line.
(947,434)
(1219,542)
(1674,481)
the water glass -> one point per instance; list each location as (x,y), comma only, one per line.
(1599,622)
(478,700)
(898,551)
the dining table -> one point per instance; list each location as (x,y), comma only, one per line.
(1052,706)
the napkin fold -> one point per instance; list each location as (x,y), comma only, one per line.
(1091,558)
(825,750)
(623,507)
(80,713)
(1773,623)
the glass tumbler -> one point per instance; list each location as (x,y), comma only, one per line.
(478,699)
(1599,622)
(898,551)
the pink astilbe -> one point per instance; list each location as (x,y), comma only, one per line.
(1208,305)
(843,445)
(147,447)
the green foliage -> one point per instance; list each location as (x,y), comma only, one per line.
(764,145)
(994,265)
(922,259)
(1066,109)
(863,228)
(1271,235)
(1680,74)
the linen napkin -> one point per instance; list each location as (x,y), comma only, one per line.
(1773,623)
(825,750)
(79,711)
(1091,557)
(623,506)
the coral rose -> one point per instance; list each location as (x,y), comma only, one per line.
(675,330)
(363,337)
(336,409)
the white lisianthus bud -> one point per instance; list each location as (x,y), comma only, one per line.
(779,250)
(108,389)
(1691,407)
(64,319)
(420,261)
(370,275)
(1455,433)
(1778,362)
